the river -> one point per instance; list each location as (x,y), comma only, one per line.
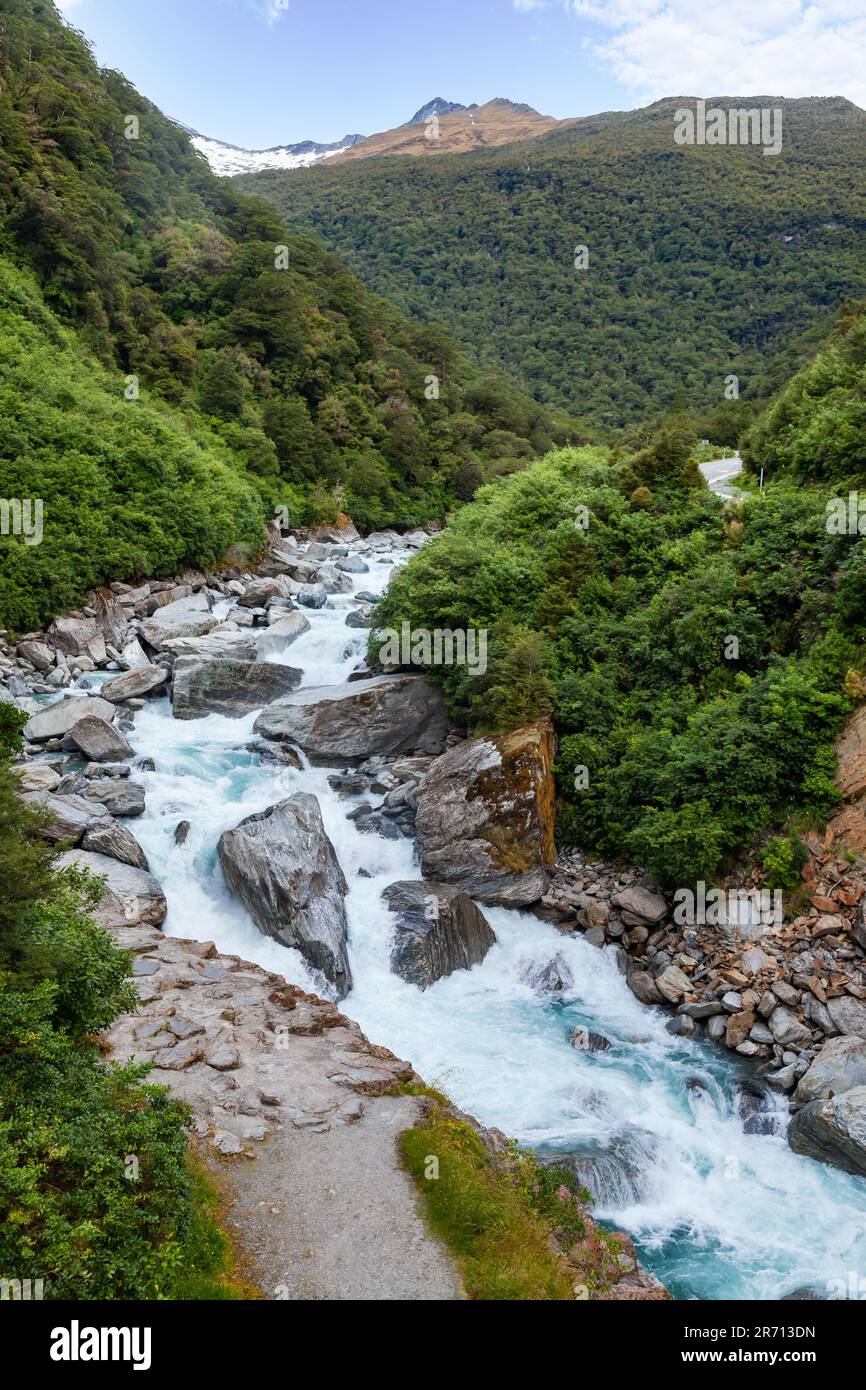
(716,1212)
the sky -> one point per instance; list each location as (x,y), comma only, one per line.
(257,73)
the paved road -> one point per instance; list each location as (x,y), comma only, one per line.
(719,472)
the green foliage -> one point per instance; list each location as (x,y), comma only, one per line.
(693,746)
(703,262)
(265,367)
(783,857)
(816,428)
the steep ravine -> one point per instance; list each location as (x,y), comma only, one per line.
(652,1123)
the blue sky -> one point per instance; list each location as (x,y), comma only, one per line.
(266,72)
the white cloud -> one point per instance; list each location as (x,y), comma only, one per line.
(270,10)
(529,4)
(791,48)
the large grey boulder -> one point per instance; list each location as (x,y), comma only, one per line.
(133,655)
(257,593)
(98,740)
(131,897)
(313,595)
(283,867)
(78,637)
(107,836)
(39,654)
(56,720)
(839,1066)
(439,930)
(833,1131)
(119,796)
(389,714)
(282,632)
(232,688)
(849,1015)
(35,777)
(186,617)
(485,816)
(142,680)
(66,817)
(352,564)
(225,642)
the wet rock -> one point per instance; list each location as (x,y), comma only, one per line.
(78,637)
(352,564)
(390,714)
(56,720)
(38,653)
(833,1131)
(231,688)
(312,595)
(109,838)
(98,740)
(225,642)
(643,986)
(839,1066)
(438,930)
(131,897)
(256,594)
(283,867)
(586,1041)
(181,832)
(485,816)
(360,617)
(552,978)
(119,796)
(68,817)
(140,681)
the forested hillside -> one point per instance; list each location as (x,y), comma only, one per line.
(698,659)
(702,261)
(816,428)
(228,344)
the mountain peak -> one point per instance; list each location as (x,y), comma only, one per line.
(437,107)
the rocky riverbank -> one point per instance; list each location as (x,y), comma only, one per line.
(295,1111)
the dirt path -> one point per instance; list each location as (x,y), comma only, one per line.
(293,1116)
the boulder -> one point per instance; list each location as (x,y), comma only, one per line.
(839,1066)
(313,595)
(106,836)
(672,983)
(78,637)
(283,867)
(851,755)
(256,594)
(133,655)
(131,897)
(787,1028)
(67,817)
(142,680)
(224,642)
(848,1015)
(649,907)
(360,617)
(98,740)
(36,777)
(352,564)
(439,930)
(56,720)
(833,1131)
(39,654)
(390,714)
(110,618)
(282,632)
(551,978)
(120,797)
(187,617)
(231,688)
(586,1041)
(486,813)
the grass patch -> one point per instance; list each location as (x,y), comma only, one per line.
(497,1217)
(210,1267)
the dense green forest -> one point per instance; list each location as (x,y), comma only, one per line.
(703,262)
(698,657)
(200,316)
(816,427)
